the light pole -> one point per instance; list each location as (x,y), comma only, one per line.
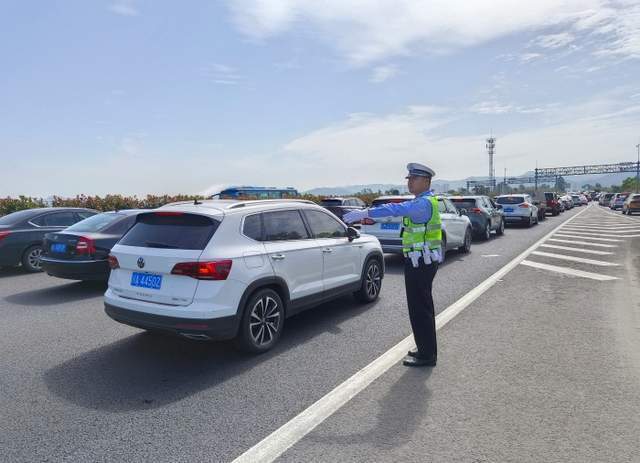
(638,168)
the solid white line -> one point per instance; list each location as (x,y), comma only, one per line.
(568,271)
(276,443)
(611,240)
(600,263)
(584,243)
(585,251)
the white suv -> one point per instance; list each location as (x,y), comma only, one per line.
(237,269)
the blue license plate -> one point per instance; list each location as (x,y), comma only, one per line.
(59,247)
(390,226)
(146,280)
(508,209)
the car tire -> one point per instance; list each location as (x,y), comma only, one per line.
(486,234)
(31,259)
(530,223)
(371,282)
(262,322)
(466,246)
(500,230)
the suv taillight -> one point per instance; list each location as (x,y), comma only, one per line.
(525,205)
(215,270)
(85,246)
(475,210)
(368,221)
(4,234)
(113,262)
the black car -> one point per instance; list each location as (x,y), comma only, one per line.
(485,215)
(340,206)
(21,233)
(80,252)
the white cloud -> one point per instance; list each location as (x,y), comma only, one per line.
(222,74)
(124,8)
(366,31)
(383,73)
(554,40)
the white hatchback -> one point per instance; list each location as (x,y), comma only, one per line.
(237,269)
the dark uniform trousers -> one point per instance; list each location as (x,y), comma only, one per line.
(418,281)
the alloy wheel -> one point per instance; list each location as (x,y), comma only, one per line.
(264,321)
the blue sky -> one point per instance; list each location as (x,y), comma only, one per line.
(139,97)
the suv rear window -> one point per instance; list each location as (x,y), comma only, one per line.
(510,200)
(331,202)
(171,231)
(461,203)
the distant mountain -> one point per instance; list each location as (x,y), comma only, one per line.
(441,185)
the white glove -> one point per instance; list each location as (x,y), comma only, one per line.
(355,216)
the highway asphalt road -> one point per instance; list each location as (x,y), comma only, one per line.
(543,366)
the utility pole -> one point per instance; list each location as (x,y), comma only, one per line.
(638,168)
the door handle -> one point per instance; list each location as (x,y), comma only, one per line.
(327,250)
(278,257)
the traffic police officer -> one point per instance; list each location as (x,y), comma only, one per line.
(421,246)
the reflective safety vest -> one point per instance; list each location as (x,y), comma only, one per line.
(420,236)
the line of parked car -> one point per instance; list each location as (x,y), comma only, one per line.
(628,203)
(222,269)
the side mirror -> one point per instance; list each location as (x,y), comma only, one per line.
(499,206)
(352,233)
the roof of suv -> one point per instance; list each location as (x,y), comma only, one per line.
(219,207)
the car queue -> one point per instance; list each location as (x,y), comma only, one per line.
(236,269)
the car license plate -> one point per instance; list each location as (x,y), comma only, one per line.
(146,280)
(508,209)
(390,226)
(58,247)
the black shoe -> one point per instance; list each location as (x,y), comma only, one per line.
(413,353)
(418,362)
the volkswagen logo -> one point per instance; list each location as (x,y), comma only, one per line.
(140,262)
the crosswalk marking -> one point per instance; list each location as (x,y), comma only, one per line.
(585,251)
(588,234)
(611,240)
(600,263)
(625,228)
(584,243)
(568,271)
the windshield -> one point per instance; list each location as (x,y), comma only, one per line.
(95,223)
(510,200)
(331,202)
(461,203)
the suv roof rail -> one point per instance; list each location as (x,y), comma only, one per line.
(269,201)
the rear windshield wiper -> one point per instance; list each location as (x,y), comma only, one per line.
(155,244)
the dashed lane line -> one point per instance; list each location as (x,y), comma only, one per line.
(568,271)
(599,263)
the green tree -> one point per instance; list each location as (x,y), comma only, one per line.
(561,184)
(630,184)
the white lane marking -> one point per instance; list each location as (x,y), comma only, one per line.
(568,271)
(600,263)
(490,255)
(610,240)
(568,248)
(618,216)
(589,234)
(615,229)
(584,243)
(276,443)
